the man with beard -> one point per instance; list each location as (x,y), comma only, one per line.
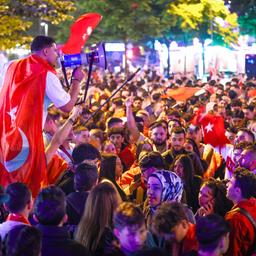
(157,130)
(158,136)
(177,138)
(248,158)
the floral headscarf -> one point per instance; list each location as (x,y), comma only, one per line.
(171,184)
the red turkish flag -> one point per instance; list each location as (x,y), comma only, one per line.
(198,115)
(213,130)
(80,32)
(22,155)
(182,93)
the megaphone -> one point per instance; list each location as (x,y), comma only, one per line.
(97,55)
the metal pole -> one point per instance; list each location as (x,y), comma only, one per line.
(116,91)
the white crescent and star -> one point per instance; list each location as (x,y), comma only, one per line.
(209,127)
(87,33)
(19,160)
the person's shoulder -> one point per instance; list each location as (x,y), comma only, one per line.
(7,226)
(235,215)
(168,153)
(67,247)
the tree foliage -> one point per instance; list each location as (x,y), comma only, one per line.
(17,16)
(246,11)
(204,18)
(122,20)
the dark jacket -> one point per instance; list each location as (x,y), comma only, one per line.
(56,241)
(66,182)
(170,155)
(75,206)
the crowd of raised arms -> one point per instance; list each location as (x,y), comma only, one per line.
(151,173)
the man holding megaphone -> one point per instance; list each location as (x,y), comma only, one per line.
(30,84)
(45,48)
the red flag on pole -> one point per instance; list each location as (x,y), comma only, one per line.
(213,130)
(80,31)
(22,155)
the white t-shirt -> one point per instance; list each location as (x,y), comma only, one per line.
(54,93)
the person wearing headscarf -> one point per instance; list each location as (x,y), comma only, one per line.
(162,186)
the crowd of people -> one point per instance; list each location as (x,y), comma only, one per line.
(137,177)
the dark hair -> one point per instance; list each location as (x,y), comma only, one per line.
(178,130)
(108,167)
(232,129)
(156,124)
(118,101)
(98,133)
(50,206)
(86,176)
(116,130)
(23,240)
(139,148)
(236,103)
(250,107)
(156,96)
(221,203)
(108,171)
(194,145)
(79,128)
(138,98)
(246,181)
(173,112)
(237,114)
(19,196)
(168,215)
(152,159)
(232,94)
(176,121)
(112,121)
(209,231)
(41,42)
(85,151)
(127,214)
(188,179)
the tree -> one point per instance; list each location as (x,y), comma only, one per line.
(17,16)
(123,21)
(205,18)
(246,11)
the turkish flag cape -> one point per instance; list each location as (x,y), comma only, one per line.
(80,31)
(182,93)
(213,130)
(22,155)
